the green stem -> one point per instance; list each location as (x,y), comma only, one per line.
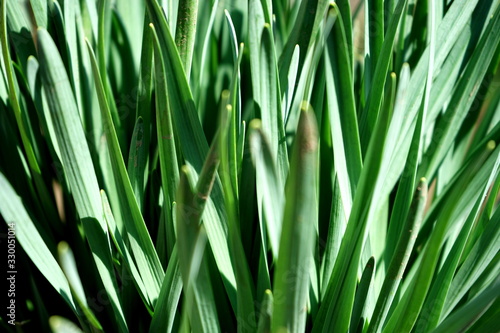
(186,32)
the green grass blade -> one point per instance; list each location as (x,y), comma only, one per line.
(78,164)
(336,230)
(289,89)
(26,233)
(400,258)
(250,240)
(69,267)
(266,313)
(204,28)
(123,251)
(137,161)
(245,293)
(140,241)
(270,103)
(405,315)
(374,11)
(255,23)
(437,294)
(304,33)
(23,124)
(305,84)
(20,28)
(334,313)
(342,114)
(469,313)
(193,144)
(377,235)
(444,85)
(71,41)
(463,96)
(346,12)
(132,14)
(270,195)
(266,92)
(357,319)
(40,11)
(296,243)
(166,141)
(4,94)
(185,32)
(489,321)
(168,300)
(38,96)
(450,28)
(235,102)
(483,252)
(103,56)
(68,264)
(60,324)
(191,240)
(371,112)
(137,169)
(408,178)
(469,186)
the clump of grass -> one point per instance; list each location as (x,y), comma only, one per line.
(251,166)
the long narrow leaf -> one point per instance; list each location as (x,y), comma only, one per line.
(78,164)
(142,247)
(296,244)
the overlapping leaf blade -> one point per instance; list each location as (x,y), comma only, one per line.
(194,145)
(78,164)
(297,240)
(142,247)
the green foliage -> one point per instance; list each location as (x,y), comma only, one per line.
(251,166)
